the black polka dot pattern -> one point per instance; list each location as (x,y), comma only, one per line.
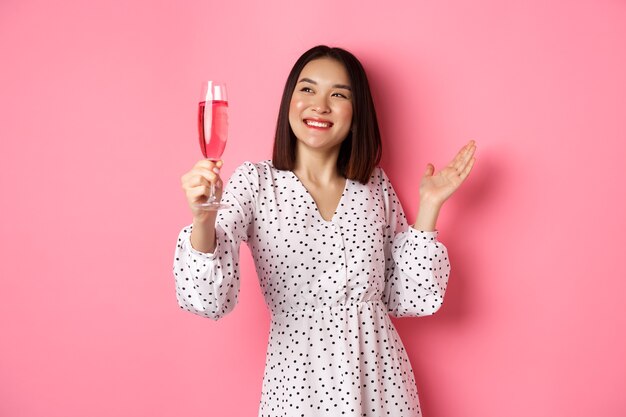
(330,286)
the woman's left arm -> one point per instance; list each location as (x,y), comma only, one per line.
(435,189)
(417,265)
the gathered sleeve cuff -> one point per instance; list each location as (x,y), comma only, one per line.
(418,281)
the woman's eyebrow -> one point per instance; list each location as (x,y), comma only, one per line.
(310,81)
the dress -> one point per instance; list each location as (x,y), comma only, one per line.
(330,287)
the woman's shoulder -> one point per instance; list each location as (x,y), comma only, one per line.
(255,168)
(263,165)
(379,177)
(380,182)
(256,172)
(264,168)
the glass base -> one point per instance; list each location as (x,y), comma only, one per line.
(213,206)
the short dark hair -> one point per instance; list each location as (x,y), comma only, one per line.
(361,150)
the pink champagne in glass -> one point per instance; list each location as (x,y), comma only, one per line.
(214,121)
(213,130)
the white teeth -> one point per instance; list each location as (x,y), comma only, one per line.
(317,124)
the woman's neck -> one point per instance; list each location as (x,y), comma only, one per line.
(317,167)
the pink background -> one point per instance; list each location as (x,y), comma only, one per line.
(97,124)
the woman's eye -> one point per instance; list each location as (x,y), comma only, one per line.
(306,89)
(340,95)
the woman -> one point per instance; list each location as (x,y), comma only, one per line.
(333,252)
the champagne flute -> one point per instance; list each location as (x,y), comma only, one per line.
(213,131)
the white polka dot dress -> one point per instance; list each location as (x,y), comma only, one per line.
(330,287)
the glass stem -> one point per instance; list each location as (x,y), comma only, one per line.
(212,197)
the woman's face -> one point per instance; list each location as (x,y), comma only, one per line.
(320,111)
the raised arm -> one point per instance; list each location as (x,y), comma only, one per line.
(416,264)
(207,283)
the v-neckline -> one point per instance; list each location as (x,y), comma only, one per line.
(317,209)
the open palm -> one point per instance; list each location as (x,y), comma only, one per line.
(438,187)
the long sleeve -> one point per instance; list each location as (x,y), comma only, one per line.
(416,264)
(207,284)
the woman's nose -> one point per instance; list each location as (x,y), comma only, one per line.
(320,105)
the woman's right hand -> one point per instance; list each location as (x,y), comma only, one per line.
(197,186)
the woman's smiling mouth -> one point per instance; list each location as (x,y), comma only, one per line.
(320,124)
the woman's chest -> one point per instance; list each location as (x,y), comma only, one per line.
(290,231)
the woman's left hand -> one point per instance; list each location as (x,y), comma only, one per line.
(436,188)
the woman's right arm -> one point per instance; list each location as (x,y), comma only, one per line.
(206,262)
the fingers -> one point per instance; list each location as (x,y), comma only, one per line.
(198,177)
(467,155)
(208,164)
(204,168)
(430,169)
(195,193)
(457,158)
(197,182)
(467,160)
(467,169)
(464,156)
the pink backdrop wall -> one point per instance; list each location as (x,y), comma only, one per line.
(97,124)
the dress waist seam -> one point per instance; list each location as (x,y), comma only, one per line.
(314,310)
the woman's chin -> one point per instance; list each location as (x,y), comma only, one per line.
(318,145)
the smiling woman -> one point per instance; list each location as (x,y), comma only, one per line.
(331,245)
(340,74)
(320,111)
